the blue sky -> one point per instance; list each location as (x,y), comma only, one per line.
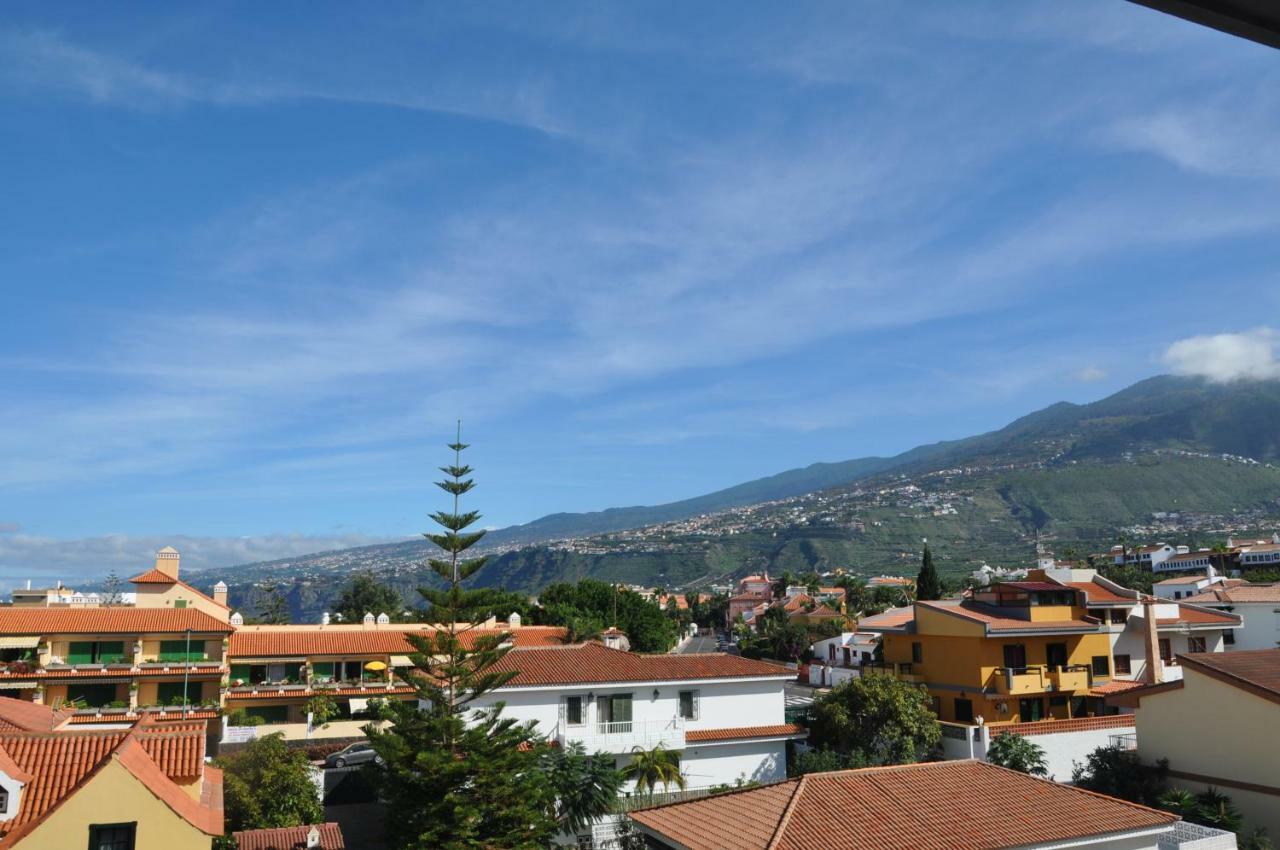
(256,260)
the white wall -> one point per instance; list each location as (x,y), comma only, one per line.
(722,764)
(1261,629)
(1063,749)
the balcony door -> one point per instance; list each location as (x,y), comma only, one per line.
(1030,710)
(1056,655)
(1015,656)
(615,713)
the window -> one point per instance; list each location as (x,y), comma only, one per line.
(1015,655)
(4,801)
(93,696)
(96,652)
(1166,651)
(179,603)
(964,710)
(1055,655)
(831,651)
(1122,665)
(1119,615)
(917,652)
(1229,637)
(1195,644)
(1101,665)
(112,836)
(689,705)
(1030,709)
(170,693)
(573,711)
(615,712)
(1058,701)
(176,650)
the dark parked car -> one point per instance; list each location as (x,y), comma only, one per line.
(357,753)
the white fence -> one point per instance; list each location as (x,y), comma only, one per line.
(1064,741)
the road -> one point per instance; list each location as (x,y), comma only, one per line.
(701,643)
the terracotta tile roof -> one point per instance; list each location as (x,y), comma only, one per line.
(18,715)
(1182,580)
(1266,593)
(934,806)
(199,813)
(739,733)
(177,747)
(1076,724)
(121,620)
(892,619)
(592,663)
(1031,586)
(1096,594)
(1189,615)
(293,641)
(175,668)
(1118,686)
(1253,670)
(57,763)
(172,715)
(996,622)
(154,576)
(290,838)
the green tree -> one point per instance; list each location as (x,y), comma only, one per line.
(782,582)
(273,608)
(1119,773)
(877,720)
(586,786)
(651,768)
(596,602)
(458,774)
(1215,809)
(268,784)
(364,594)
(1017,753)
(928,585)
(1256,839)
(823,761)
(322,709)
(111,589)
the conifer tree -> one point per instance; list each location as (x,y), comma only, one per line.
(458,774)
(928,585)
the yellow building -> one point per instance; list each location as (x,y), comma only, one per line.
(144,787)
(160,587)
(1016,652)
(1217,727)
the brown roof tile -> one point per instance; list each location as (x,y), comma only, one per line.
(911,807)
(592,663)
(996,622)
(154,576)
(122,620)
(268,642)
(1266,593)
(738,733)
(1254,670)
(894,618)
(17,715)
(290,838)
(1100,595)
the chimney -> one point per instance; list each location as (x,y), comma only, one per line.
(313,838)
(324,618)
(368,619)
(383,619)
(513,622)
(220,593)
(167,561)
(1155,667)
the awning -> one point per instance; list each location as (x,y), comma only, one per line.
(16,686)
(359,704)
(401,661)
(20,642)
(274,659)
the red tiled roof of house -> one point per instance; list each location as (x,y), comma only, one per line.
(177,747)
(290,838)
(1182,580)
(1117,686)
(738,733)
(933,806)
(1253,670)
(173,715)
(56,762)
(1097,594)
(891,619)
(1189,615)
(591,663)
(199,813)
(293,641)
(1266,593)
(18,715)
(121,620)
(997,622)
(154,576)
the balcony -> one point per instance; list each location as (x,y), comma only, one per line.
(624,736)
(1012,681)
(1072,678)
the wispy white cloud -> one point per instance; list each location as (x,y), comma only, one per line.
(1091,374)
(1247,355)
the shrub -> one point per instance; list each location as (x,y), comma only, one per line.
(1017,753)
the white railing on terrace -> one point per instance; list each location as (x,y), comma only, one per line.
(624,736)
(1191,836)
(1125,742)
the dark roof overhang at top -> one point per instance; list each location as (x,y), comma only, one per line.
(1256,20)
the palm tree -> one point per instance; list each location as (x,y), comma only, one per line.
(787,579)
(651,768)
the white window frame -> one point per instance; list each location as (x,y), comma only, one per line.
(695,707)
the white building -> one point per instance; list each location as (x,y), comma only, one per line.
(723,714)
(1149,557)
(1257,606)
(1184,587)
(838,658)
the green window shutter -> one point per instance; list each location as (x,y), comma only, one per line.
(240,671)
(179,603)
(322,671)
(81,652)
(293,672)
(176,650)
(111,651)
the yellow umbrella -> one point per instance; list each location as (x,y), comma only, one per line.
(375,666)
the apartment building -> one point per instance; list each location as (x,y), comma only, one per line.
(137,786)
(1238,695)
(723,714)
(1053,646)
(1256,605)
(936,806)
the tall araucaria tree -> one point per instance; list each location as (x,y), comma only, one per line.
(928,584)
(457,773)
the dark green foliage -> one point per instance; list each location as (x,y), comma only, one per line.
(877,720)
(821,761)
(458,774)
(585,786)
(364,594)
(1018,753)
(267,785)
(928,584)
(273,608)
(1119,773)
(591,604)
(1256,839)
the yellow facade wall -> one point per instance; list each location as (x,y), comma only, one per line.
(1243,746)
(114,795)
(166,595)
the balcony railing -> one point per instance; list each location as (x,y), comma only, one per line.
(624,736)
(1011,681)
